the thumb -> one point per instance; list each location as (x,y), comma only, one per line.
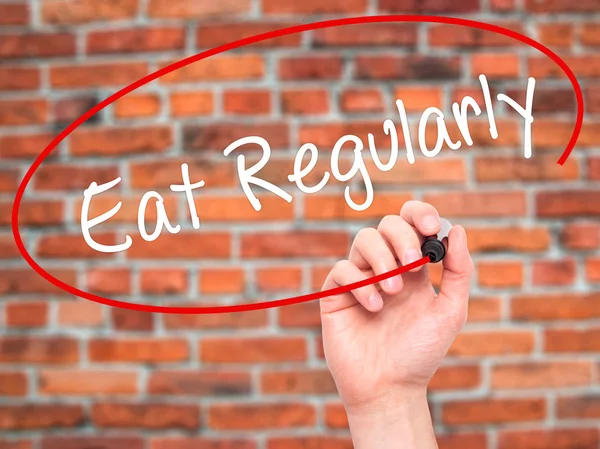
(456,277)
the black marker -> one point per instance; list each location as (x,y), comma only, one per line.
(433,246)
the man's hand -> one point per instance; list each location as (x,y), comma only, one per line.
(383,342)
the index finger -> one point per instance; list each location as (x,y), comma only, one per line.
(422,216)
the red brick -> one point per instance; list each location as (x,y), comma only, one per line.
(16,444)
(358,100)
(429,6)
(218,136)
(196,9)
(199,383)
(484,309)
(222,280)
(219,68)
(19,78)
(128,213)
(431,172)
(96,74)
(548,439)
(500,274)
(109,281)
(466,37)
(25,280)
(37,45)
(72,246)
(137,105)
(184,245)
(132,320)
(542,375)
(215,34)
(571,340)
(149,350)
(314,7)
(58,176)
(82,11)
(135,40)
(547,101)
(557,306)
(565,203)
(555,134)
(13,383)
(26,314)
(478,204)
(492,342)
(310,442)
(553,272)
(120,141)
(578,407)
(191,103)
(594,168)
(461,440)
(493,411)
(517,168)
(260,416)
(147,416)
(419,98)
(8,247)
(560,6)
(68,109)
(305,101)
(495,65)
(247,102)
(80,313)
(253,319)
(163,281)
(9,180)
(295,244)
(584,66)
(300,315)
(297,382)
(334,207)
(592,269)
(555,34)
(40,416)
(592,98)
(335,416)
(162,173)
(239,208)
(86,382)
(23,146)
(383,67)
(252,350)
(185,442)
(455,378)
(33,349)
(269,279)
(14,14)
(310,67)
(34,212)
(23,112)
(580,236)
(507,239)
(368,34)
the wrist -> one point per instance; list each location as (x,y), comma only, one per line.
(392,402)
(400,420)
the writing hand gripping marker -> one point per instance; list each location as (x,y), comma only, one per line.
(434,246)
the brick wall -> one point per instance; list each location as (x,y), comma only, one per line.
(76,375)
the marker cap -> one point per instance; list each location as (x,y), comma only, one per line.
(434,249)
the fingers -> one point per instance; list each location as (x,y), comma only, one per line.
(371,251)
(344,273)
(456,276)
(422,216)
(403,239)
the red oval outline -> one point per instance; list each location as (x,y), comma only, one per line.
(240,43)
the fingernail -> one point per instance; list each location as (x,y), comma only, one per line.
(375,301)
(410,256)
(430,222)
(394,283)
